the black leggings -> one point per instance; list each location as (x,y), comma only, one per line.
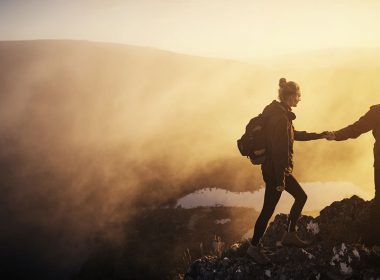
(271,199)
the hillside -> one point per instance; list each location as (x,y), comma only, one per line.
(161,243)
(337,250)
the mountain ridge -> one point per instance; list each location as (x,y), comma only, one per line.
(337,251)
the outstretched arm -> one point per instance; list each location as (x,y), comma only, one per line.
(363,125)
(307,136)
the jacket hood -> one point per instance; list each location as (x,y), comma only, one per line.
(277,108)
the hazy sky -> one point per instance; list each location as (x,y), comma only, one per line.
(224,28)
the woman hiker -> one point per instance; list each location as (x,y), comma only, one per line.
(278,166)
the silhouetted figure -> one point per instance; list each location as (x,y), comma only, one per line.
(370,121)
(278,166)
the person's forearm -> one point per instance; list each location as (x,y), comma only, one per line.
(307,136)
(346,133)
(363,125)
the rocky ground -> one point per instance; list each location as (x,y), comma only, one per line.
(337,250)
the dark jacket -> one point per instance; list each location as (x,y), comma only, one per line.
(370,121)
(280,135)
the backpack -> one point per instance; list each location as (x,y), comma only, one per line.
(252,144)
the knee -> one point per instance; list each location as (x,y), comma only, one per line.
(305,197)
(302,198)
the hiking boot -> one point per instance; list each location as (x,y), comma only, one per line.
(258,256)
(291,239)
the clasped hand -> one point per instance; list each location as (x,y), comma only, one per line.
(329,135)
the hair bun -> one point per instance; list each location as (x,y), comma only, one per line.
(282,82)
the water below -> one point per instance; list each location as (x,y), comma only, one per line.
(319,194)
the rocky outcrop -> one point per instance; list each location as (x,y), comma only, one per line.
(337,250)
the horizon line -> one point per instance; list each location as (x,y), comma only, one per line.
(177,52)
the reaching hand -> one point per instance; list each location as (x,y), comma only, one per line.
(329,135)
